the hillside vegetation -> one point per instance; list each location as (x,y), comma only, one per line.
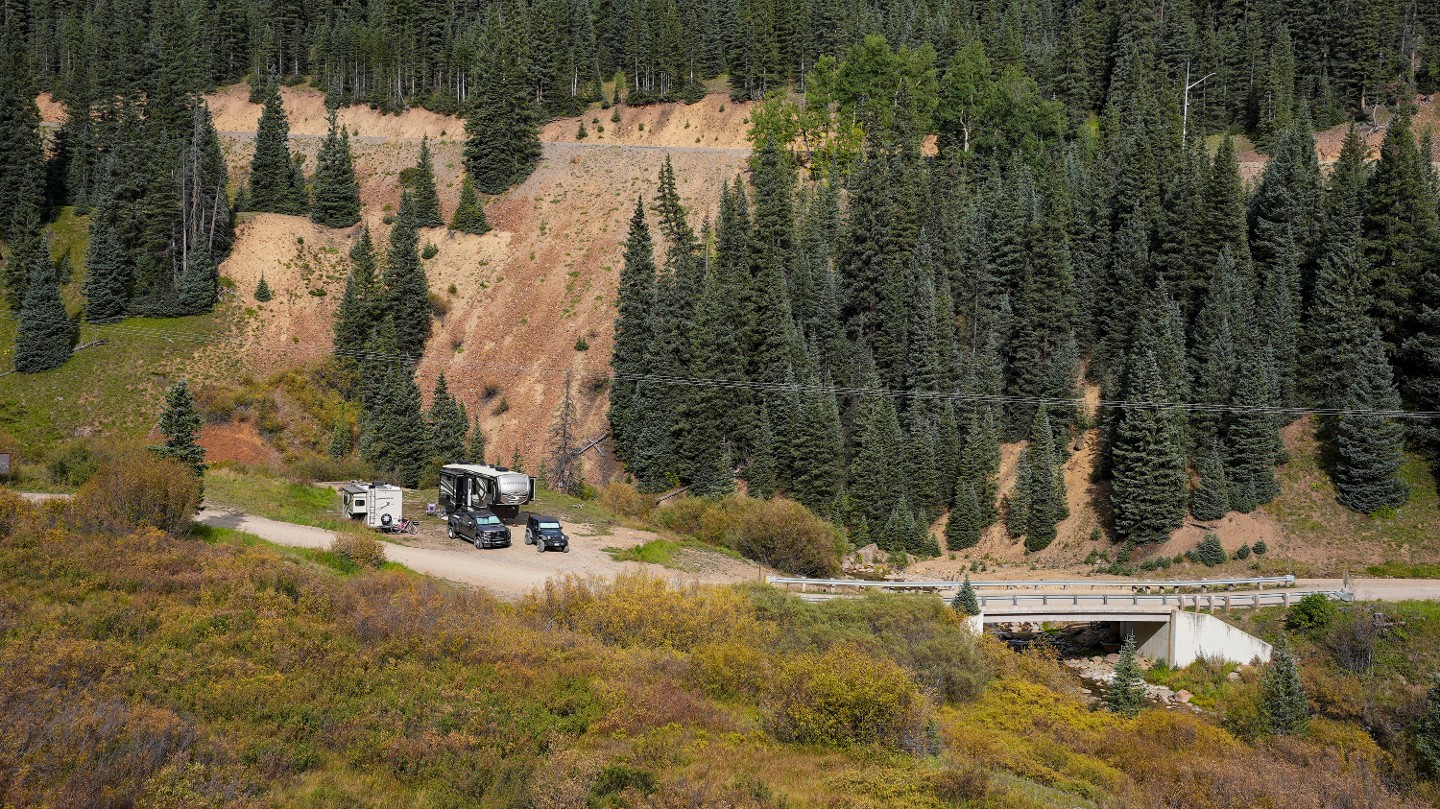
(149,670)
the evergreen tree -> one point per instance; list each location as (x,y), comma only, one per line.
(107,272)
(633,336)
(819,451)
(22,172)
(426,198)
(1211,498)
(475,450)
(262,291)
(356,315)
(470,213)
(1126,693)
(26,249)
(1424,352)
(275,182)
(44,333)
(180,425)
(199,282)
(337,194)
(504,143)
(760,475)
(967,519)
(965,601)
(1283,702)
(407,291)
(1043,478)
(877,458)
(1252,438)
(899,528)
(1402,230)
(1148,488)
(448,423)
(1370,449)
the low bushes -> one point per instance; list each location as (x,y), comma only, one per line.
(779,532)
(138,488)
(362,550)
(845,697)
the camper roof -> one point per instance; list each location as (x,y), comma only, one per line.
(479,469)
(354,488)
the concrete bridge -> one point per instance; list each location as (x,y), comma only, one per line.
(1168,626)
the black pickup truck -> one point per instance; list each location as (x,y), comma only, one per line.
(480,528)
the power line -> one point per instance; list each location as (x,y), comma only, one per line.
(796,388)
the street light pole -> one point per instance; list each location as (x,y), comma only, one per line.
(1185,107)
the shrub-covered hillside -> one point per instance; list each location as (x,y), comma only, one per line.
(148,670)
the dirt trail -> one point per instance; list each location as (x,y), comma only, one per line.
(507,572)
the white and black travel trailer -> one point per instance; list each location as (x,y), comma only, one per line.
(378,504)
(471,487)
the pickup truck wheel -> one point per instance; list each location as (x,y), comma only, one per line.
(450,530)
(479,546)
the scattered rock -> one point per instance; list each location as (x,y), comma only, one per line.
(1233,677)
(1183,697)
(1112,659)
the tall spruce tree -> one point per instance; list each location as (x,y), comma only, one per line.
(470,213)
(819,451)
(422,189)
(1402,230)
(407,290)
(1148,491)
(26,249)
(633,336)
(44,333)
(336,192)
(877,458)
(1370,448)
(276,184)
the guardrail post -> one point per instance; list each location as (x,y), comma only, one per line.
(1287,600)
(1105,599)
(1227,603)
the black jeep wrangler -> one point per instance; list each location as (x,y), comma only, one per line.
(545,534)
(480,528)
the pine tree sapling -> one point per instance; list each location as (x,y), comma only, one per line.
(1283,702)
(262,291)
(1126,693)
(470,213)
(180,425)
(965,601)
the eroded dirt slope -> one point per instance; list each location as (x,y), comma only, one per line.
(522,299)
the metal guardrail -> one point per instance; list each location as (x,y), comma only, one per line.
(1252,599)
(1135,584)
(1021,604)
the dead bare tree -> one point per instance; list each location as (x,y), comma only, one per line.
(564,460)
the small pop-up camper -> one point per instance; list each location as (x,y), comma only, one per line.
(378,504)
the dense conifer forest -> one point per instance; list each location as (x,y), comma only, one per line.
(956,217)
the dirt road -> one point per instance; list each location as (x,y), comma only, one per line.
(507,572)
